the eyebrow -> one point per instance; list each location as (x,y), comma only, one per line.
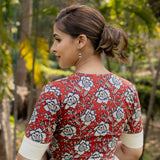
(54,35)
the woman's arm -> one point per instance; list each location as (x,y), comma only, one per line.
(20,157)
(125,153)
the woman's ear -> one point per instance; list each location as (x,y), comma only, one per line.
(81,41)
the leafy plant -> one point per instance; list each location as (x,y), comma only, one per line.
(5,71)
(27,50)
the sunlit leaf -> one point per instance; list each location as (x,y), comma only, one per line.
(49,10)
(144,14)
(27,50)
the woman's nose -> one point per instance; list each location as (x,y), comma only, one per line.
(53,48)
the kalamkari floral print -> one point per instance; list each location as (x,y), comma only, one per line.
(84,115)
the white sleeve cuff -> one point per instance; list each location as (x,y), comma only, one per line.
(132,140)
(32,150)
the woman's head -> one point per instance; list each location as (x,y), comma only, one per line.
(80,19)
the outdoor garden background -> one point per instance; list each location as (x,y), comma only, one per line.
(26,28)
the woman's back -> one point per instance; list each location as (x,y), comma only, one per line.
(88,113)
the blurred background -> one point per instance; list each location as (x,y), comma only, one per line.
(26,28)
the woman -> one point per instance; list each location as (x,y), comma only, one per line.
(92,114)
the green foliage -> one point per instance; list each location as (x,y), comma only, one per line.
(144,80)
(144,95)
(5,71)
(12,120)
(147,81)
(144,14)
(50,72)
(27,51)
(6,46)
(49,10)
(147,154)
(136,18)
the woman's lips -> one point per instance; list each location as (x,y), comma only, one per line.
(58,57)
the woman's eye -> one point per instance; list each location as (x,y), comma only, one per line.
(57,39)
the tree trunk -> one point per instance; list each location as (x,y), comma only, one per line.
(157,158)
(133,68)
(151,66)
(5,106)
(30,108)
(26,26)
(150,106)
(69,2)
(15,115)
(26,23)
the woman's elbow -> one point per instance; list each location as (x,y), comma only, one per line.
(20,157)
(133,152)
(138,153)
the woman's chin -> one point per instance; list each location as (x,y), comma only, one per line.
(64,66)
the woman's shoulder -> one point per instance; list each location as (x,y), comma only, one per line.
(57,84)
(125,83)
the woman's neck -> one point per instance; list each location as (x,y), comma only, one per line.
(92,65)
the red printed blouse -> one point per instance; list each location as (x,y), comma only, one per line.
(83,116)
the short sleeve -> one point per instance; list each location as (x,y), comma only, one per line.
(133,130)
(134,122)
(43,120)
(45,115)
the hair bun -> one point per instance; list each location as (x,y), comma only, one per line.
(113,42)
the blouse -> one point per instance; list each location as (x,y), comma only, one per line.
(83,116)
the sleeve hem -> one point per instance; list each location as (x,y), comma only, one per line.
(32,150)
(132,140)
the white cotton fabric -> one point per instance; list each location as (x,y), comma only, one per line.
(132,140)
(32,150)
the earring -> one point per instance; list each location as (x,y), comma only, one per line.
(80,55)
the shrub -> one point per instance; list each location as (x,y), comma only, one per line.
(144,96)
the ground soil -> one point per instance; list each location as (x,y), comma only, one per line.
(152,146)
(1,148)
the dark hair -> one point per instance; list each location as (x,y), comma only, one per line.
(81,19)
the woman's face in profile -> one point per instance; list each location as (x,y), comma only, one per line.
(65,49)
